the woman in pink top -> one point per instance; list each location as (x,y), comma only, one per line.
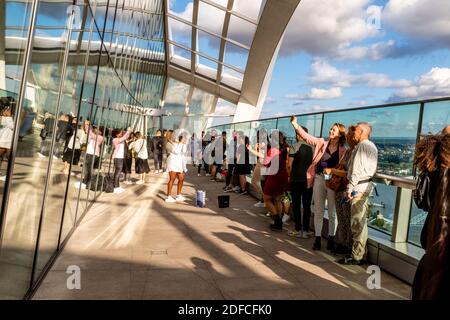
(327,154)
(119,155)
(92,158)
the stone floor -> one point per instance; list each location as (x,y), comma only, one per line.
(135,246)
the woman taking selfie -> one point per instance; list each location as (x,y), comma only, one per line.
(327,154)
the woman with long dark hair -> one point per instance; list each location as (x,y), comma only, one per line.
(343,239)
(275,167)
(432,278)
(327,154)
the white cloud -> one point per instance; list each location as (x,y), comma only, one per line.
(329,27)
(426,20)
(270,100)
(324,73)
(318,94)
(435,83)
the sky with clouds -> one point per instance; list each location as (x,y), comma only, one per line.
(342,54)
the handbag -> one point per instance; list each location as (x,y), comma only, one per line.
(337,183)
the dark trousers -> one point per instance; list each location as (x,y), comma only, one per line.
(89,162)
(205,165)
(301,194)
(230,174)
(158,159)
(118,167)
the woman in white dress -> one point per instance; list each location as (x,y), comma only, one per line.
(6,134)
(176,165)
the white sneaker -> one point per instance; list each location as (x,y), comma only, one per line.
(119,190)
(259,205)
(128,182)
(80,185)
(236,189)
(286,218)
(180,198)
(170,199)
(268,214)
(140,182)
(55,157)
(307,234)
(207,175)
(3,178)
(198,174)
(40,155)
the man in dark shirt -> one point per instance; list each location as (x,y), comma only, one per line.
(157,147)
(300,158)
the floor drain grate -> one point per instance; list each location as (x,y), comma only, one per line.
(158,252)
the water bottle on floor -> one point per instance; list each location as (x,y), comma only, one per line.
(201,198)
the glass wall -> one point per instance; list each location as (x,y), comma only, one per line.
(436,115)
(70,72)
(395,133)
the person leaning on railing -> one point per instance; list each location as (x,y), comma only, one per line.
(362,166)
(432,194)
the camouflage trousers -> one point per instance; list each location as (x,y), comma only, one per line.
(359,207)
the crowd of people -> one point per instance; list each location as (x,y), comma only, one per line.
(332,175)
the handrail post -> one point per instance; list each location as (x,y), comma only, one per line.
(402,214)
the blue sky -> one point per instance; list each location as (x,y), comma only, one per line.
(415,66)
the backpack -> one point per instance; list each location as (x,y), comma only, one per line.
(421,193)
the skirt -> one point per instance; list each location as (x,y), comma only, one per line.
(141,166)
(67,156)
(242,169)
(277,184)
(127,164)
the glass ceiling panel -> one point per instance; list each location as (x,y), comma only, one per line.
(180,32)
(248,8)
(232,78)
(210,18)
(180,53)
(207,68)
(208,44)
(241,31)
(223,3)
(182,8)
(235,56)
